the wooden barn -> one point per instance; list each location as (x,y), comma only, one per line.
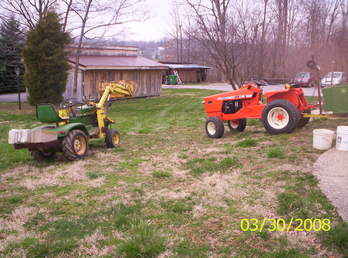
(112,64)
(188,73)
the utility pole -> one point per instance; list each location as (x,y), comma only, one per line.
(18,87)
(181,48)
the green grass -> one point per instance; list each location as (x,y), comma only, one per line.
(199,166)
(178,206)
(301,198)
(93,175)
(276,152)
(337,237)
(336,99)
(161,174)
(247,143)
(168,189)
(145,241)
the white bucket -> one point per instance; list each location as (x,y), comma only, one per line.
(342,138)
(322,139)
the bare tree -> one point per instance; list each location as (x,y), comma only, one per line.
(176,32)
(215,31)
(264,28)
(29,12)
(98,17)
(68,4)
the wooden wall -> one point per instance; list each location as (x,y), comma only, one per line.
(148,81)
(188,76)
(70,85)
(192,75)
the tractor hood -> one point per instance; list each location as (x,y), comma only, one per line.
(233,95)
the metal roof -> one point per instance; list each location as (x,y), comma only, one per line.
(118,63)
(187,66)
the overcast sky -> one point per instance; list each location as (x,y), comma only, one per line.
(156,27)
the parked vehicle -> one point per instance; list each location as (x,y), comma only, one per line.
(283,111)
(304,79)
(72,127)
(333,78)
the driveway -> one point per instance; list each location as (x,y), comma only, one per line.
(227,87)
(12,97)
(331,170)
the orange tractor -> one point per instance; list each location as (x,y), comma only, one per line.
(281,111)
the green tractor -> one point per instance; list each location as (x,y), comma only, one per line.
(72,126)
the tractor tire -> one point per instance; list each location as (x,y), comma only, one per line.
(237,125)
(214,127)
(280,116)
(303,120)
(112,138)
(42,155)
(75,145)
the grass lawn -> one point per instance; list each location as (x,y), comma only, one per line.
(167,191)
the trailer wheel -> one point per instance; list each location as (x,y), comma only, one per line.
(112,138)
(280,116)
(42,155)
(75,145)
(214,127)
(237,125)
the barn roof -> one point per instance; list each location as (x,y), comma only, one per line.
(118,63)
(187,66)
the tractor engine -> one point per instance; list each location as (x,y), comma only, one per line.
(231,106)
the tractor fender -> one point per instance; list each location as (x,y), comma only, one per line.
(63,130)
(290,96)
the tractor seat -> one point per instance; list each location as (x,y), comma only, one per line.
(46,113)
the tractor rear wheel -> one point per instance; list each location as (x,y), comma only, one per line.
(280,116)
(42,155)
(75,145)
(112,138)
(238,125)
(303,120)
(214,127)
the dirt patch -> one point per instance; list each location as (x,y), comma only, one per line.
(15,223)
(217,188)
(89,245)
(73,172)
(168,194)
(13,108)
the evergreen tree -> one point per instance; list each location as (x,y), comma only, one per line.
(46,61)
(11,46)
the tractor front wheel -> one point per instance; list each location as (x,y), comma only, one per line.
(42,155)
(112,138)
(237,125)
(214,127)
(280,116)
(75,145)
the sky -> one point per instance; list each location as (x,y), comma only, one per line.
(154,28)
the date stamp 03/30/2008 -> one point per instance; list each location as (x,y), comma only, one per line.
(293,224)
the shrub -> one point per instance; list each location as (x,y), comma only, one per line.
(46,62)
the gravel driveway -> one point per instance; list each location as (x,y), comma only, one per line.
(332,171)
(13,97)
(227,87)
